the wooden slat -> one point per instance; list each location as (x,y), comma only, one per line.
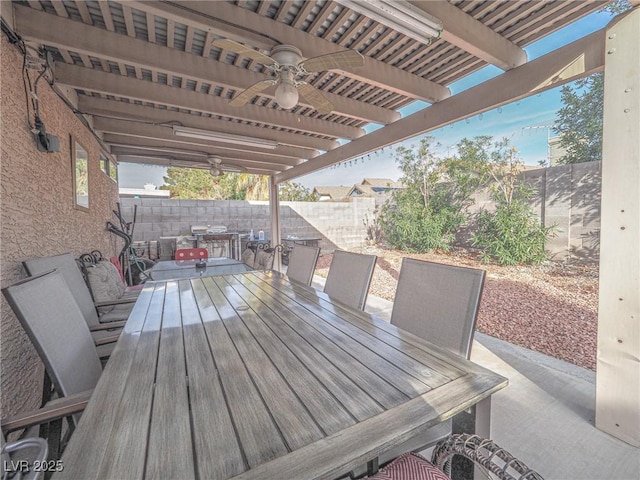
(403,340)
(101,413)
(106,16)
(170,454)
(353,447)
(127,446)
(325,409)
(293,420)
(260,439)
(217,451)
(367,346)
(383,391)
(356,400)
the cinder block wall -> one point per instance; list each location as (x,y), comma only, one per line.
(37,216)
(568,197)
(340,224)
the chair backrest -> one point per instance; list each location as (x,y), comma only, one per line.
(191,253)
(438,303)
(349,278)
(47,311)
(302,263)
(21,448)
(68,268)
(248,257)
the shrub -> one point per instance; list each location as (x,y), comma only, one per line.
(511,234)
(409,225)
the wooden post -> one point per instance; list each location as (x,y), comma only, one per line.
(618,366)
(274,209)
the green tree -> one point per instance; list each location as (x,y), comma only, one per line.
(195,183)
(427,213)
(579,121)
(295,192)
(192,183)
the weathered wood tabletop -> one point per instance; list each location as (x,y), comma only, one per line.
(251,376)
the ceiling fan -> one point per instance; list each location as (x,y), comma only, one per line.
(218,168)
(287,62)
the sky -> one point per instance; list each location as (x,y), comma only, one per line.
(527,123)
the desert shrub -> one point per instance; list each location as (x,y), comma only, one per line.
(373,226)
(410,226)
(426,214)
(511,235)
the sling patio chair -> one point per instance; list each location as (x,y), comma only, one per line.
(52,319)
(349,278)
(118,310)
(13,456)
(302,263)
(438,303)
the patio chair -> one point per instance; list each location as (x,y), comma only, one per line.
(264,258)
(105,279)
(191,253)
(52,319)
(13,468)
(103,332)
(302,263)
(349,278)
(485,454)
(118,310)
(438,303)
(248,257)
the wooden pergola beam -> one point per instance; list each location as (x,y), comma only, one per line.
(119,86)
(578,59)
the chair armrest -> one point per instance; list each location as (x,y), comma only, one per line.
(106,340)
(53,410)
(118,301)
(108,326)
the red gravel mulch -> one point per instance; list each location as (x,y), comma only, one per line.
(551,308)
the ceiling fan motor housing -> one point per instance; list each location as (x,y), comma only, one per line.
(286,55)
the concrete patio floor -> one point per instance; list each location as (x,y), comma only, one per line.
(545,417)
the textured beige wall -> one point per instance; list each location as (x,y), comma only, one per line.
(37,214)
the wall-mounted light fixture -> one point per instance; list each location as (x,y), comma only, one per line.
(224,137)
(399,15)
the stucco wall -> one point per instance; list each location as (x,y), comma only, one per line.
(37,214)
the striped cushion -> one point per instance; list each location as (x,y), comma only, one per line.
(409,466)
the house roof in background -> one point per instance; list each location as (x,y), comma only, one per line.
(335,193)
(381,182)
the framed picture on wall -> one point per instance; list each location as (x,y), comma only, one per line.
(80,170)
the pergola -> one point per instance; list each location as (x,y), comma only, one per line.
(140,72)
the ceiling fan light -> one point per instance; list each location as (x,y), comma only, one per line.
(287,95)
(215,171)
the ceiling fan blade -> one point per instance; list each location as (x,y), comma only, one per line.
(243,50)
(243,97)
(315,98)
(331,61)
(230,167)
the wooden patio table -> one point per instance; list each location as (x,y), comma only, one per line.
(251,376)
